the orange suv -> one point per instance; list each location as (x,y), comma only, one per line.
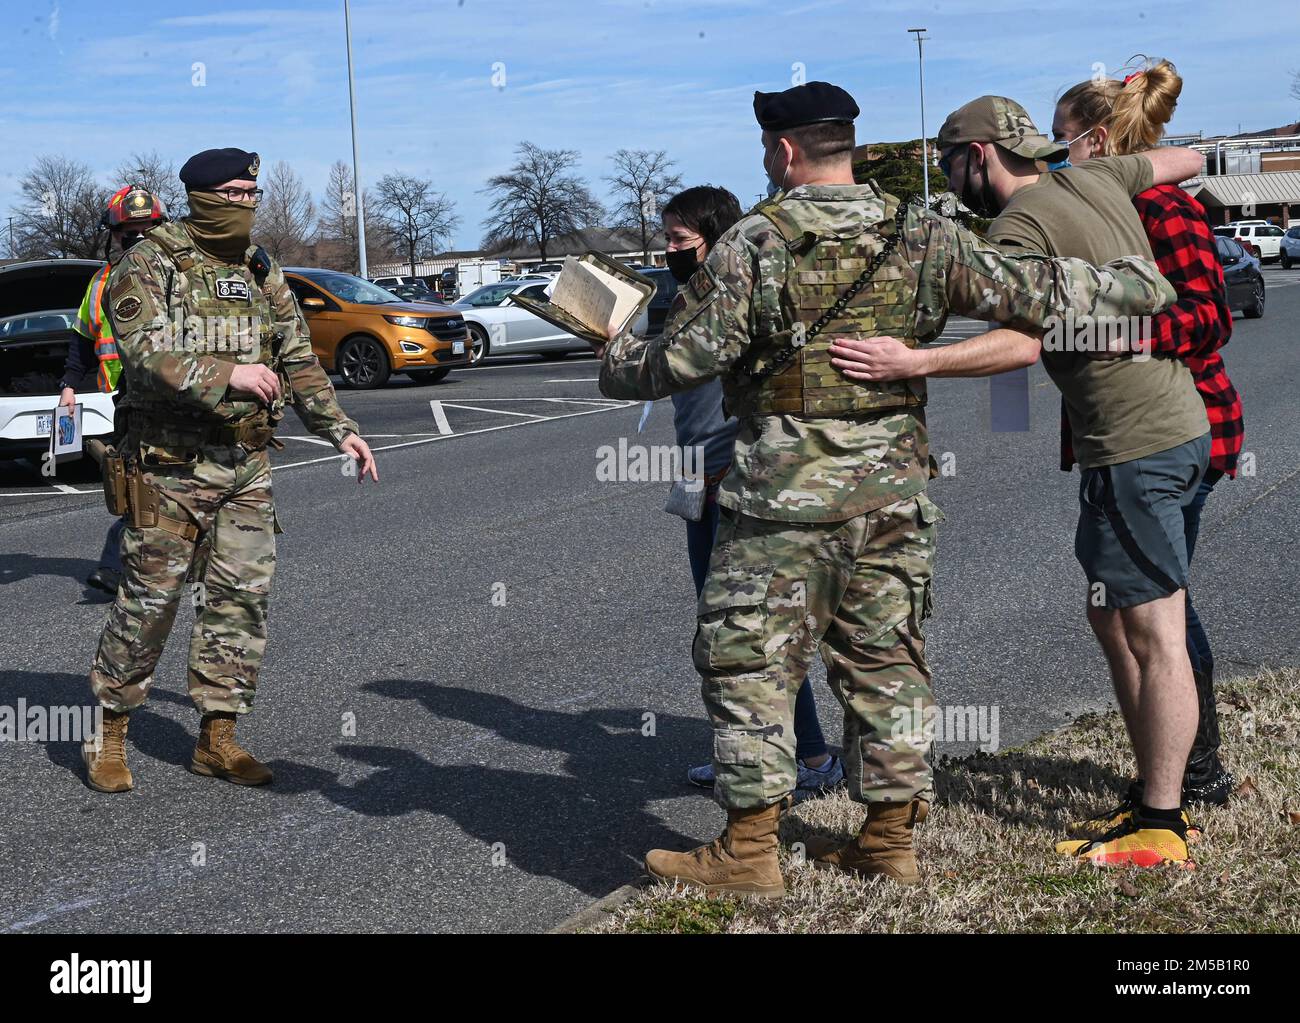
(365,334)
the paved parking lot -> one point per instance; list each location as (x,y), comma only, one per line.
(500,627)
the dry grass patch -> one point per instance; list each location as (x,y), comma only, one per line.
(986,851)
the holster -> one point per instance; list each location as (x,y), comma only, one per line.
(143,499)
(115,487)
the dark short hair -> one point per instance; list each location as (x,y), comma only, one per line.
(706,209)
(825,140)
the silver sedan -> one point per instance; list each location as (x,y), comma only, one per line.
(499,327)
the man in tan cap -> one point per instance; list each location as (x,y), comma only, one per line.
(1140,435)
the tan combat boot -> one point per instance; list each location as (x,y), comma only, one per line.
(883,846)
(742,859)
(218,755)
(105,756)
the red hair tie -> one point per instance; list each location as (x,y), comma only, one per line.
(1135,74)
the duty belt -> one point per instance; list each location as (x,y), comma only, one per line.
(253,433)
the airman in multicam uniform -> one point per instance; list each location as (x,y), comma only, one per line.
(827,537)
(212,346)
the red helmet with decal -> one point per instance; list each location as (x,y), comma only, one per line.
(133,204)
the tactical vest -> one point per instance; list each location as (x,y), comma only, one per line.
(221,314)
(824,265)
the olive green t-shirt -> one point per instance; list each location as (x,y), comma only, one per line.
(1119,409)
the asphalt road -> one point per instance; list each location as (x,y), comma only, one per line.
(478,696)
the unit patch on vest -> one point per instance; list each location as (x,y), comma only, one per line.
(702,283)
(233,287)
(127,308)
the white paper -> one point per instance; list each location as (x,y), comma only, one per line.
(65,438)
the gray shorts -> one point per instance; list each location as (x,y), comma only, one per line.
(1130,538)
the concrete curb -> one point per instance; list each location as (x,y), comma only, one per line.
(598,910)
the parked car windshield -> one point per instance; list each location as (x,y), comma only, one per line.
(36,323)
(489,294)
(347,288)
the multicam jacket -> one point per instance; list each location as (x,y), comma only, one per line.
(184,321)
(826,468)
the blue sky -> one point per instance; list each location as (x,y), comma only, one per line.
(96,81)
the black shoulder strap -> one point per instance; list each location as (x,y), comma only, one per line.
(801,338)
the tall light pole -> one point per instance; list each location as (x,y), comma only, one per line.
(925,154)
(356,164)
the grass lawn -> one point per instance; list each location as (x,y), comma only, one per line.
(986,853)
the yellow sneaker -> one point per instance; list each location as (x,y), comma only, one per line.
(1094,827)
(1134,842)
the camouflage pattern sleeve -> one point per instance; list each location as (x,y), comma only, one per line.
(147,341)
(312,393)
(707,330)
(963,272)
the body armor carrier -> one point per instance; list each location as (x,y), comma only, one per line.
(221,323)
(789,371)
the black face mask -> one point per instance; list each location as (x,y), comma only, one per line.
(986,203)
(682,264)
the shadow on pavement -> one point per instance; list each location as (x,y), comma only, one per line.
(589,828)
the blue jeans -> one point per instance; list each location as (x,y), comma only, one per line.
(1198,643)
(809,740)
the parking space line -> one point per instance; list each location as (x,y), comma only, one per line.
(467,433)
(495,411)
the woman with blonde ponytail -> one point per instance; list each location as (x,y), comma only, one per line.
(1108,117)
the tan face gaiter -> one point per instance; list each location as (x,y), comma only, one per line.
(220,228)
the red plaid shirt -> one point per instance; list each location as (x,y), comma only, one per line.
(1196,326)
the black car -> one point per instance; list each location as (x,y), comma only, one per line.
(1241,277)
(665,292)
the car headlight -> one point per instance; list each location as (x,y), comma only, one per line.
(406,321)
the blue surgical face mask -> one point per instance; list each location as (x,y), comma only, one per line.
(1056,165)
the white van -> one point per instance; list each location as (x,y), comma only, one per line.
(38,308)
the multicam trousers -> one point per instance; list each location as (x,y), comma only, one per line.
(776,592)
(229,583)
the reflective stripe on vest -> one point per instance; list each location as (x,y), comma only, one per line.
(98,327)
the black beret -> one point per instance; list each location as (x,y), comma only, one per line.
(215,166)
(804,104)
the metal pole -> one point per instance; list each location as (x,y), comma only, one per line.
(356,163)
(925,152)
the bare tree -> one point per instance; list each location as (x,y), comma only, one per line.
(287,216)
(337,226)
(642,184)
(60,210)
(1295,84)
(537,200)
(159,176)
(413,214)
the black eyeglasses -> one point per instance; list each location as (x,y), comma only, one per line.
(945,162)
(240,194)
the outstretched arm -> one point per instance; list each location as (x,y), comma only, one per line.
(885,358)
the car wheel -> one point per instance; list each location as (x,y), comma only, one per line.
(429,376)
(478,344)
(1286,260)
(1255,309)
(363,363)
